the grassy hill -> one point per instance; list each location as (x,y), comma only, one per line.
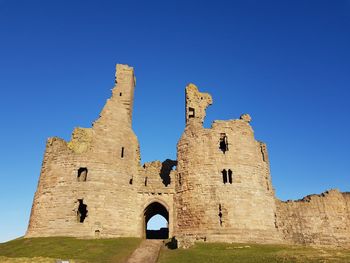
(76,250)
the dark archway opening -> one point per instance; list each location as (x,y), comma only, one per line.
(151,212)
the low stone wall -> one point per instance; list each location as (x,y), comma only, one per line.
(319,220)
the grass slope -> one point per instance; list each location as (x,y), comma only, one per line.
(231,253)
(79,250)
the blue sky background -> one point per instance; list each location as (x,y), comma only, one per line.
(286,63)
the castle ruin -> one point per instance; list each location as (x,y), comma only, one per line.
(218,190)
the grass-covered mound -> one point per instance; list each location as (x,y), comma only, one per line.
(243,253)
(67,248)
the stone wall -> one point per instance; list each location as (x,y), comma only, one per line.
(320,220)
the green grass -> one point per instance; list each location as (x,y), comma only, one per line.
(117,250)
(243,253)
(79,250)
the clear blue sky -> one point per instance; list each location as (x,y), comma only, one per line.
(286,63)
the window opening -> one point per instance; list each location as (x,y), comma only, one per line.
(82,211)
(220,215)
(191,112)
(230,176)
(224,176)
(82,174)
(122,154)
(223,143)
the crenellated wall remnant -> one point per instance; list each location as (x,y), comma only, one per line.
(218,189)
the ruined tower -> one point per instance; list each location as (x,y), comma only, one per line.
(85,177)
(223,185)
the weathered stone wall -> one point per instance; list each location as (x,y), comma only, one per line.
(156,184)
(207,208)
(321,220)
(114,190)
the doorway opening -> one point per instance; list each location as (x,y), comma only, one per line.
(156,222)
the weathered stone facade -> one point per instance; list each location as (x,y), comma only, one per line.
(219,189)
(321,220)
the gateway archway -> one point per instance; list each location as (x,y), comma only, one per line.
(153,209)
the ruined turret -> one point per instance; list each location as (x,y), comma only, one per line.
(223,187)
(196,105)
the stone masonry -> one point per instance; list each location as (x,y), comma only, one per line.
(218,190)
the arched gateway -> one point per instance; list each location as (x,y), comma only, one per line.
(155,208)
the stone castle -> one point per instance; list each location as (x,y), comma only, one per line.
(218,190)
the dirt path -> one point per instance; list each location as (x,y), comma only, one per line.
(147,252)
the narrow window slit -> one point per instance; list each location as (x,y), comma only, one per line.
(82,211)
(146,181)
(224,176)
(220,215)
(276,225)
(263,152)
(131,180)
(230,176)
(267,183)
(82,174)
(122,153)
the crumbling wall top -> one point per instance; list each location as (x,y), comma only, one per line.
(158,176)
(81,140)
(196,104)
(118,108)
(311,197)
(246,117)
(121,71)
